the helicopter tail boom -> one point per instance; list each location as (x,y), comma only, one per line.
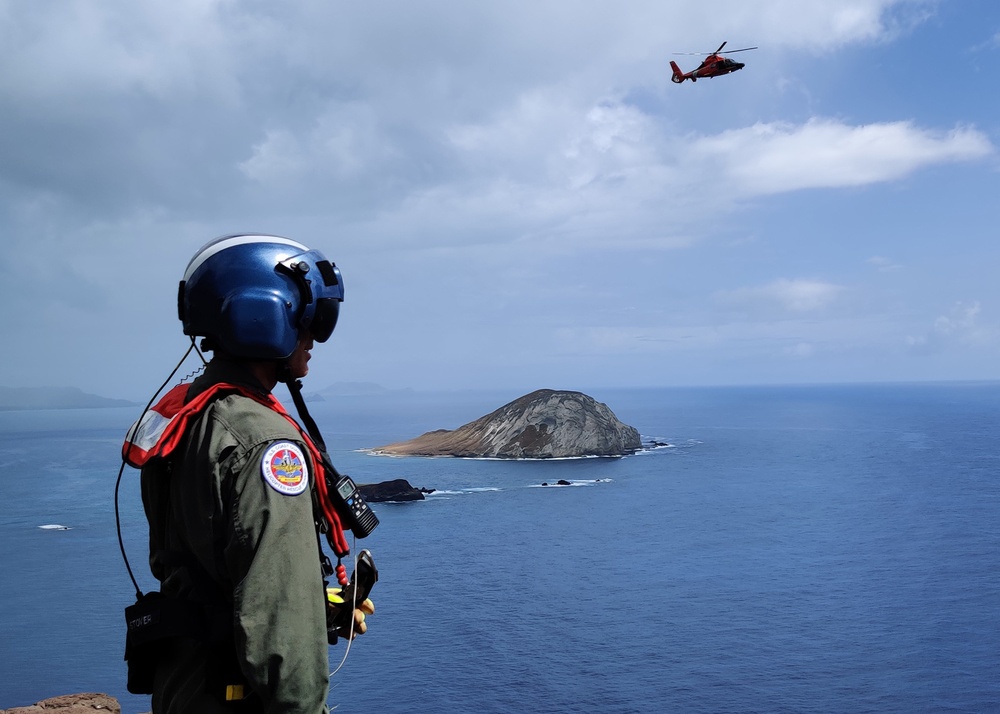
(678,76)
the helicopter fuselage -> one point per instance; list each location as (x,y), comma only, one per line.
(715,64)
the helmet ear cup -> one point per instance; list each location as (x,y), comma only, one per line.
(258,323)
(180,302)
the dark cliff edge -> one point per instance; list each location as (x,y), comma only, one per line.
(545,424)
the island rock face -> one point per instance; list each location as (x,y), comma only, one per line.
(546,424)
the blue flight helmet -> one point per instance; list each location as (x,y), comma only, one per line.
(251,295)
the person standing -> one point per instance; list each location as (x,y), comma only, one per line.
(233,488)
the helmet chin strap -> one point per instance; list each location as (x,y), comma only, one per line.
(284,375)
(295,389)
(329,477)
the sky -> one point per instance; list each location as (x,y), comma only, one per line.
(516,193)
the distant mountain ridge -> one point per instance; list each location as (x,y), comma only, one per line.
(351,389)
(23,398)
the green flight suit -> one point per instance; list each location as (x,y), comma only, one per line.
(220,535)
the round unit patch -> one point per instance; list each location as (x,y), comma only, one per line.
(284,468)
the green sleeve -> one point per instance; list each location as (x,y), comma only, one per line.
(279,600)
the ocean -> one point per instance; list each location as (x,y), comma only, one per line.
(793,549)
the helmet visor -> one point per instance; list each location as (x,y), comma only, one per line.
(321,289)
(325,318)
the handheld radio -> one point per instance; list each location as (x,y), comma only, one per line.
(350,504)
(341,490)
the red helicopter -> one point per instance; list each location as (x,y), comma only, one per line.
(715,65)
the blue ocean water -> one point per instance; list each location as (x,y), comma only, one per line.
(794,549)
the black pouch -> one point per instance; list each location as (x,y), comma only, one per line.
(151,621)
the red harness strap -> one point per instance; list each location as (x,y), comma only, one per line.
(162,427)
(338,541)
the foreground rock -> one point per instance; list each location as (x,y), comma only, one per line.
(71,704)
(546,424)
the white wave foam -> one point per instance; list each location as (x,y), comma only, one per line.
(570,483)
(462,491)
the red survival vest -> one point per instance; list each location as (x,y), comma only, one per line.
(162,427)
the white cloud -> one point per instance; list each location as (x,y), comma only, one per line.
(962,319)
(375,109)
(277,157)
(825,153)
(346,143)
(961,326)
(792,296)
(797,337)
(801,350)
(820,26)
(883,264)
(462,143)
(575,170)
(79,49)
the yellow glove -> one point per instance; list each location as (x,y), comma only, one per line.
(337,620)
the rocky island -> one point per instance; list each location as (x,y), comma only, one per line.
(545,424)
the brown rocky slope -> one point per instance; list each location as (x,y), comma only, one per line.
(71,704)
(545,424)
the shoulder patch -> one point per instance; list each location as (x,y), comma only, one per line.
(285,469)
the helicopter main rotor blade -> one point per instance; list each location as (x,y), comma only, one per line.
(720,48)
(727,52)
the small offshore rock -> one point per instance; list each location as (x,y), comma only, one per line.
(396,490)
